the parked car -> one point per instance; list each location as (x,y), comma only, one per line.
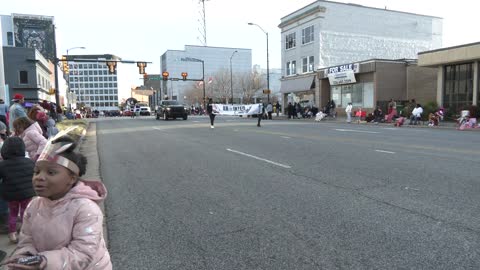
(171,109)
(127,113)
(144,110)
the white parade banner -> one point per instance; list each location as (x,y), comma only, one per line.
(237,109)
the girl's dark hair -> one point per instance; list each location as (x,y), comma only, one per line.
(72,155)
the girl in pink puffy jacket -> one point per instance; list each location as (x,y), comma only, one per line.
(62,227)
(31,134)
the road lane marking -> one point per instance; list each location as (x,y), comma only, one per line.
(157,128)
(383,151)
(259,158)
(359,131)
(286,137)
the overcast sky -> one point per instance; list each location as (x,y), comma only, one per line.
(144,30)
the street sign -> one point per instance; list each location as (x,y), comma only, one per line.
(154,77)
(267,91)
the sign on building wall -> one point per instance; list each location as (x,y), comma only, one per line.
(33,31)
(353,67)
(344,77)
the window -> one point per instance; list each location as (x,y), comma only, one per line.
(307,64)
(24,77)
(10,38)
(458,86)
(290,41)
(307,35)
(359,94)
(291,68)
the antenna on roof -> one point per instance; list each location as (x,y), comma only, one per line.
(203,23)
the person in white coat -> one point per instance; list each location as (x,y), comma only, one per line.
(348,110)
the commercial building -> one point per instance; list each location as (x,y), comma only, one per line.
(216,62)
(374,82)
(35,32)
(94,86)
(29,74)
(457,85)
(326,34)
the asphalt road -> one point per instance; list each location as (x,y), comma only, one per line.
(289,195)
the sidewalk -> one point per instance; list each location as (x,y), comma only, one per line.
(343,120)
(88,147)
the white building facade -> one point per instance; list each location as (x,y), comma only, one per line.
(326,34)
(92,83)
(215,59)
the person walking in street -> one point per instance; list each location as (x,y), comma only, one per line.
(211,113)
(16,110)
(16,172)
(3,114)
(348,110)
(261,112)
(269,110)
(63,226)
(32,136)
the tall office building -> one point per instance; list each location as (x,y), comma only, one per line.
(215,59)
(93,85)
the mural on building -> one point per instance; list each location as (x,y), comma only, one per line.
(33,31)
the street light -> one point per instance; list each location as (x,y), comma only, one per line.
(268,65)
(68,76)
(190,59)
(231,75)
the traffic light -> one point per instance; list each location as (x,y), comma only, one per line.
(141,67)
(184,76)
(65,65)
(51,91)
(165,75)
(112,66)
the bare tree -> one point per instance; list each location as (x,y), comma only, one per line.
(195,94)
(245,85)
(248,84)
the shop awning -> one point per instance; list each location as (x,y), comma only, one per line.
(297,84)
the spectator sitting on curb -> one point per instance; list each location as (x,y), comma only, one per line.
(72,233)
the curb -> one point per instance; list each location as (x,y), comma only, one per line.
(88,147)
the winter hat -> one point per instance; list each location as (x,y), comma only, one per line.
(17,97)
(13,147)
(41,116)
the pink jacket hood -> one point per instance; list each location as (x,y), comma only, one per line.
(89,189)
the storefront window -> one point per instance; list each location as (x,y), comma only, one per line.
(458,86)
(368,95)
(337,94)
(359,94)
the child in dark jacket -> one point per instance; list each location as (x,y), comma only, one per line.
(16,172)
